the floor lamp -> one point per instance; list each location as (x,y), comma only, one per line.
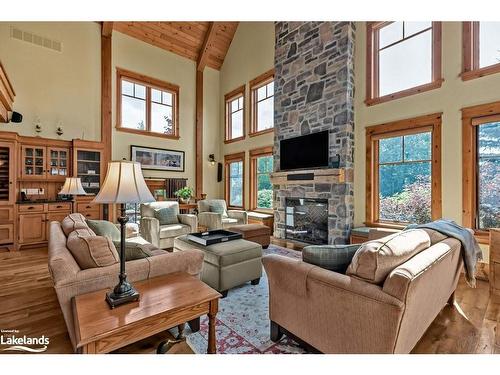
(124,183)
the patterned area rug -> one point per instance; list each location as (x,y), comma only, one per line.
(243,320)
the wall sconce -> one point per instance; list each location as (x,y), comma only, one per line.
(211,159)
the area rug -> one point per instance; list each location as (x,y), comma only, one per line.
(243,320)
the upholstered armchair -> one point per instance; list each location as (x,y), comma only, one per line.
(161,222)
(213,214)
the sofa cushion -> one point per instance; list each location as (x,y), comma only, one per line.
(331,257)
(134,250)
(92,251)
(218,206)
(72,222)
(167,215)
(174,230)
(104,228)
(375,259)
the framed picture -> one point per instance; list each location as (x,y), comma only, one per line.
(157,158)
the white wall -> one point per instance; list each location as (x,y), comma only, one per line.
(449,99)
(251,53)
(53,86)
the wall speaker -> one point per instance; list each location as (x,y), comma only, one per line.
(16,117)
(219,172)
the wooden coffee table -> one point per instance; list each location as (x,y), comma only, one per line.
(165,302)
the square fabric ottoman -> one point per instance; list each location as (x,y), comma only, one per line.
(227,264)
(254,232)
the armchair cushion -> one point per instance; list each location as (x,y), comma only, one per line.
(229,220)
(331,257)
(218,206)
(104,228)
(174,230)
(167,215)
(377,258)
(92,251)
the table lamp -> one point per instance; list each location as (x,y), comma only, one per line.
(72,186)
(124,183)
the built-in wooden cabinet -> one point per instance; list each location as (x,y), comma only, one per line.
(34,220)
(88,166)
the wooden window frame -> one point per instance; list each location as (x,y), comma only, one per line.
(430,122)
(472,117)
(230,96)
(256,84)
(254,155)
(372,66)
(470,64)
(149,83)
(228,159)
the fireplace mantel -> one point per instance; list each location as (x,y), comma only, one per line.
(327,176)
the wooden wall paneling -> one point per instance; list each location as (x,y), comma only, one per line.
(199,134)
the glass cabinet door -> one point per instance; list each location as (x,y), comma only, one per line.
(33,162)
(58,162)
(88,165)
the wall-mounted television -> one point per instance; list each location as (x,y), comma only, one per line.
(306,151)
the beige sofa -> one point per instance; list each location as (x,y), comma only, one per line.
(214,220)
(70,281)
(162,236)
(344,313)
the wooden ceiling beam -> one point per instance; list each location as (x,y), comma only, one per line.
(207,45)
(107,28)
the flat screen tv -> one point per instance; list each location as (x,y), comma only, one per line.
(307,151)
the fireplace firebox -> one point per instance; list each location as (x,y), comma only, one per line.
(306,220)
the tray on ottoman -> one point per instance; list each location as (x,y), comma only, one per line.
(213,236)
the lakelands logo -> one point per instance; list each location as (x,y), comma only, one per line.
(22,343)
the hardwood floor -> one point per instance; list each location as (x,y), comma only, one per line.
(28,303)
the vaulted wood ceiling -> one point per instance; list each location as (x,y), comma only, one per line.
(204,42)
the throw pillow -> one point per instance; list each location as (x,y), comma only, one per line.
(104,228)
(377,258)
(331,257)
(133,250)
(167,215)
(218,206)
(92,251)
(73,222)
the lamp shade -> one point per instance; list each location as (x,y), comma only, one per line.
(124,183)
(72,186)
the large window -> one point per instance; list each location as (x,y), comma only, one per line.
(146,105)
(481,168)
(235,175)
(481,49)
(235,115)
(261,188)
(403,167)
(262,103)
(404,58)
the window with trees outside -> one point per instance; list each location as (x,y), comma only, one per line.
(262,103)
(481,46)
(404,58)
(261,188)
(403,171)
(481,168)
(235,175)
(146,105)
(235,115)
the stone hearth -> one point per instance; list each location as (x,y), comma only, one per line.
(314,91)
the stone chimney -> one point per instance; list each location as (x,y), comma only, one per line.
(314,91)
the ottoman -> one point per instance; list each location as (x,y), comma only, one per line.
(227,264)
(254,232)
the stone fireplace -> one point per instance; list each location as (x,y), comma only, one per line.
(314,91)
(306,220)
